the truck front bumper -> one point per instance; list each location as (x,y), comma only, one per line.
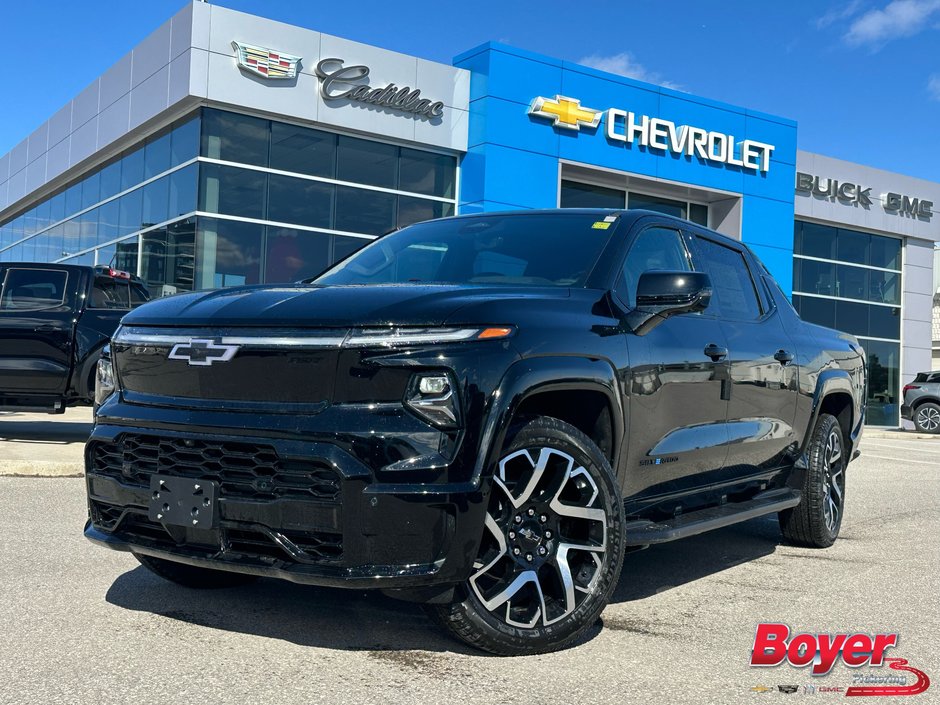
(307,512)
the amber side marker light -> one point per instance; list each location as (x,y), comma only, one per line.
(490,333)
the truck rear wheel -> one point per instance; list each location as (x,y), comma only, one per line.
(552,545)
(816,520)
(192,576)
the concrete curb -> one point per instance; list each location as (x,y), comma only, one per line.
(41,469)
(899,435)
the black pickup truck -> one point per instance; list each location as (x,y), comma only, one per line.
(481,413)
(55,319)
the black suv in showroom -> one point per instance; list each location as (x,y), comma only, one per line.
(480,413)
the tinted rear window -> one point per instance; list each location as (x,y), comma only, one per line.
(33,289)
(557,249)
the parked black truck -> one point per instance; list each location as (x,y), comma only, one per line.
(55,319)
(480,413)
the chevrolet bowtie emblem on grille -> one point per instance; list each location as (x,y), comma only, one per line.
(266,63)
(202,352)
(565,112)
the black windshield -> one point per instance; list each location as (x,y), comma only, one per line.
(558,249)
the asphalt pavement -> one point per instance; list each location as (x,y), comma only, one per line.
(82,624)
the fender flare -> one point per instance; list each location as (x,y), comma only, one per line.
(831,382)
(531,376)
(84,368)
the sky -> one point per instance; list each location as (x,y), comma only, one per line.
(861,77)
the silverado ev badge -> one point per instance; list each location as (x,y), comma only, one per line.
(266,63)
(202,353)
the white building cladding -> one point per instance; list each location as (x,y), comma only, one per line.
(179,163)
(863,262)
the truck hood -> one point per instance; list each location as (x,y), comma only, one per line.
(336,306)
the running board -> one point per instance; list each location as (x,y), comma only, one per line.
(642,533)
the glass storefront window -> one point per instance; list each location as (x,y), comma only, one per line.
(236,138)
(120,255)
(73,199)
(156,196)
(132,169)
(131,210)
(852,246)
(574,194)
(184,142)
(302,150)
(232,191)
(184,191)
(815,240)
(883,382)
(111,179)
(109,221)
(362,211)
(885,252)
(168,258)
(228,253)
(364,162)
(156,156)
(415,210)
(292,255)
(299,201)
(88,229)
(91,190)
(345,246)
(427,173)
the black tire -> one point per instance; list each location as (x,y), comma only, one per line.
(577,525)
(192,576)
(816,520)
(927,417)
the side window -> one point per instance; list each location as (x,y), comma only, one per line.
(33,289)
(731,280)
(656,248)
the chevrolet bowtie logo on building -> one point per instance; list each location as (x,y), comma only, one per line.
(202,353)
(266,63)
(565,112)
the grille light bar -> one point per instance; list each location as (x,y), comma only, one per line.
(356,338)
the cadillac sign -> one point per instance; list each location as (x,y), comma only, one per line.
(338,82)
(266,63)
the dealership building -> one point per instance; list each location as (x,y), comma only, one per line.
(228,149)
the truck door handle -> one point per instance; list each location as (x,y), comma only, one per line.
(715,352)
(784,357)
(45,328)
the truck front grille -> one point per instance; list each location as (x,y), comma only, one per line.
(243,470)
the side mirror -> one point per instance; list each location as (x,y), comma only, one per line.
(663,294)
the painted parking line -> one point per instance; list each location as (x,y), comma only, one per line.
(935,464)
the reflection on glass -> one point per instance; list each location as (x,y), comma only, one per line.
(184,189)
(157,156)
(131,212)
(232,191)
(168,258)
(299,201)
(883,382)
(235,138)
(155,202)
(577,195)
(364,162)
(132,169)
(414,210)
(292,255)
(228,253)
(302,150)
(361,211)
(426,172)
(184,142)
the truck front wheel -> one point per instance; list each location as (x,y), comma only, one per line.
(552,545)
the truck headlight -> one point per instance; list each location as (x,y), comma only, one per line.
(104,380)
(433,397)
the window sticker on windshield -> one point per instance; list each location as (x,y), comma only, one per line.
(601,225)
(610,219)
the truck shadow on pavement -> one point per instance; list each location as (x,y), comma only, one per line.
(365,620)
(44,431)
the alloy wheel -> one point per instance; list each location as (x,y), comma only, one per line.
(928,418)
(545,539)
(833,479)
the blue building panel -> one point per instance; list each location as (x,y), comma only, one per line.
(514,157)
